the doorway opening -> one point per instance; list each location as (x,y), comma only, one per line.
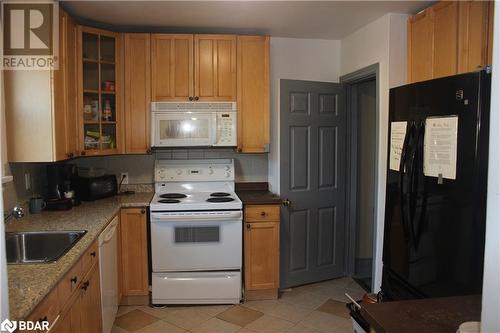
(362,153)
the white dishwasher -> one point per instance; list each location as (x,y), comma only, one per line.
(108,264)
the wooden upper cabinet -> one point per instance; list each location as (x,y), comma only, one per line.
(65,104)
(475,38)
(172,67)
(40,105)
(253,93)
(444,17)
(137,92)
(215,67)
(420,52)
(448,38)
(100,91)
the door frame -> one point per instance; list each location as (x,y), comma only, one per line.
(349,80)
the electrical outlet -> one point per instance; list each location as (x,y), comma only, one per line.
(124,178)
(27,181)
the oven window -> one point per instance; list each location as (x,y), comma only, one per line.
(190,128)
(207,234)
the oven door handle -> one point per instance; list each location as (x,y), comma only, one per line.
(168,217)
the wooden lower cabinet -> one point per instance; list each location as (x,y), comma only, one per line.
(90,302)
(261,252)
(74,305)
(83,312)
(134,256)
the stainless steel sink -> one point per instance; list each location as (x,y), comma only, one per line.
(40,246)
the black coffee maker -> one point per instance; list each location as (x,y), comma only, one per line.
(60,180)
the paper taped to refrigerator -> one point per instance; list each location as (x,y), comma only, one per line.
(440,147)
(398,134)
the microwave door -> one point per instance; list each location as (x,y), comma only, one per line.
(183,129)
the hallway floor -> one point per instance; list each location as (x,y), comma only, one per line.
(314,308)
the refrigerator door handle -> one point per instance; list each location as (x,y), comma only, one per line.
(402,170)
(416,173)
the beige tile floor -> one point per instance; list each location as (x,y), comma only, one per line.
(313,308)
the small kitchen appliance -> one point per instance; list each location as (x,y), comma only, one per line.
(196,233)
(93,188)
(198,124)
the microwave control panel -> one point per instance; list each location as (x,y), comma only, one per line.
(226,129)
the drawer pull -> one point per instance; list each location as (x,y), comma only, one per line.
(44,318)
(74,279)
(262,213)
(92,254)
(85,285)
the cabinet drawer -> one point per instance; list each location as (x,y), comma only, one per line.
(70,282)
(48,309)
(89,258)
(262,213)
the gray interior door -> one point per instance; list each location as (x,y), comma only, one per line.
(312,178)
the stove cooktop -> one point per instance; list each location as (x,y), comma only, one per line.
(195,201)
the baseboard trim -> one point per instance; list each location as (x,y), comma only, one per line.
(263,294)
(135,300)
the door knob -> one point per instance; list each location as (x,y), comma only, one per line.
(286,202)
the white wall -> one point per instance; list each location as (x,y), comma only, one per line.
(490,319)
(298,59)
(384,42)
(4,290)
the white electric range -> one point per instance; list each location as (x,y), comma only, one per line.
(196,233)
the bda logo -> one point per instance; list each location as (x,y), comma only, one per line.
(9,326)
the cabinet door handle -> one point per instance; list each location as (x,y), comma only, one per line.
(249,226)
(148,151)
(196,98)
(92,254)
(85,285)
(83,153)
(143,211)
(70,155)
(74,279)
(191,98)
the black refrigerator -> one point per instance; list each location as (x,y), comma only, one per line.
(434,225)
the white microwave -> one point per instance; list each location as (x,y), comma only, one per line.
(193,124)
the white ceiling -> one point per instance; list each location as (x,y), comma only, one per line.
(298,19)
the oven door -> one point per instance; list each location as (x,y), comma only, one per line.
(191,241)
(183,129)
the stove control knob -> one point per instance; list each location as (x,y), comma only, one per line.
(227,174)
(210,171)
(227,167)
(162,174)
(179,172)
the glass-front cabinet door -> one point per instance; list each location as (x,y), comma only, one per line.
(99,92)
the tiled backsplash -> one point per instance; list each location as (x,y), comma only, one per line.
(249,168)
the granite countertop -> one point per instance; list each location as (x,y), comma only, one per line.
(30,283)
(423,315)
(256,194)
